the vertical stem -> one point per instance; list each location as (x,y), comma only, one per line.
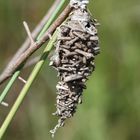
(27,86)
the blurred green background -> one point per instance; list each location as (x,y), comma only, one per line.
(111,103)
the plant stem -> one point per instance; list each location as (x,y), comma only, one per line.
(16,74)
(27,86)
(51,19)
(9,85)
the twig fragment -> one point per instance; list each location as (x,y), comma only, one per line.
(22,80)
(28,32)
(4,104)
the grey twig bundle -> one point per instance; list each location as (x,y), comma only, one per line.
(76,48)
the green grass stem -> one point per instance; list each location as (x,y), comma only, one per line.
(51,18)
(27,86)
(9,85)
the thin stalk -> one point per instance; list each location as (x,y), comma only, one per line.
(17,73)
(51,18)
(27,86)
(9,85)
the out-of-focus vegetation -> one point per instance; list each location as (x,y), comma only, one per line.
(111,103)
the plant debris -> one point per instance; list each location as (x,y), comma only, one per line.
(76,47)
